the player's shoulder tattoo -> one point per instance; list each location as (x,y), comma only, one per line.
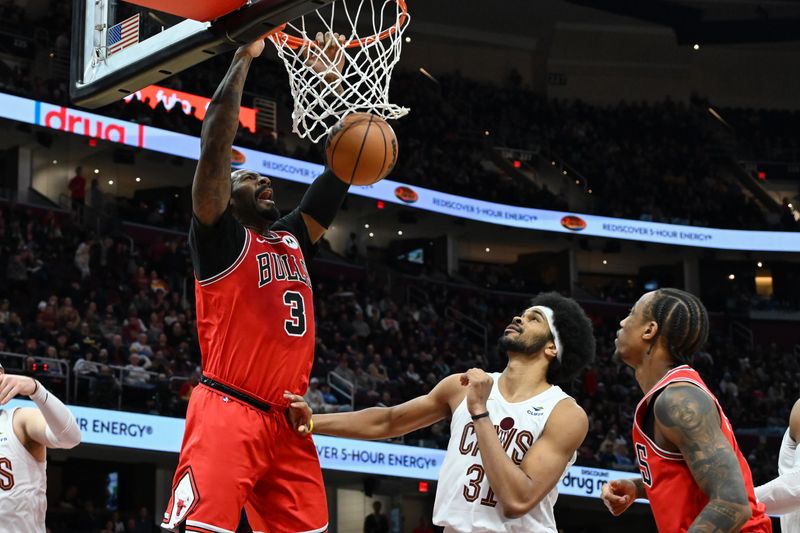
(686,409)
(691,415)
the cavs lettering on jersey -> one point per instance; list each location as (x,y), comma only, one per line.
(674,495)
(23,483)
(464,500)
(255,320)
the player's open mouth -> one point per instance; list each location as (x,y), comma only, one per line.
(265,195)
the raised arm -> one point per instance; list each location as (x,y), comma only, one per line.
(688,418)
(385,422)
(521,487)
(211,188)
(782,494)
(52,425)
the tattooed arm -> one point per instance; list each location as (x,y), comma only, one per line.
(688,418)
(211,188)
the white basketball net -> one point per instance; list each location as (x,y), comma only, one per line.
(321,94)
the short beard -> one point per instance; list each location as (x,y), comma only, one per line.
(515,345)
(270,215)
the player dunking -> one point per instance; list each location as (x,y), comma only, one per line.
(691,468)
(255,322)
(25,435)
(512,435)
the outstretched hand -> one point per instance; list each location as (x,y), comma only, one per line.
(13,385)
(253,49)
(326,56)
(298,414)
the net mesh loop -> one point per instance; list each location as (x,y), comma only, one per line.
(347,75)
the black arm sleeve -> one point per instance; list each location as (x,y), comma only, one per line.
(293,223)
(215,248)
(324,197)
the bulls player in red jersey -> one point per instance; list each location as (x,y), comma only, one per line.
(692,470)
(255,323)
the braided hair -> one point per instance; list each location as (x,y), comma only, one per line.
(682,320)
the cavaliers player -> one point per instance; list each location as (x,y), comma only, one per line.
(691,468)
(25,435)
(781,496)
(255,323)
(512,434)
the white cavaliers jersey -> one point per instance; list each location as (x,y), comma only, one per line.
(464,501)
(23,483)
(788,460)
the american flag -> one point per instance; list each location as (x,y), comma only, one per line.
(122,35)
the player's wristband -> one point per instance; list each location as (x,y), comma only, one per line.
(311,425)
(482,415)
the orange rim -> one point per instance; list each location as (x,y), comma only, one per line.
(290,41)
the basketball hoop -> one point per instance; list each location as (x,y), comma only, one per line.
(342,77)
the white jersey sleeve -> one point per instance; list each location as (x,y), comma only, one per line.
(781,496)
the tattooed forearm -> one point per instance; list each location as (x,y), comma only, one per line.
(719,517)
(689,418)
(211,188)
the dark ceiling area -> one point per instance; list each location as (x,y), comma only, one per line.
(712,22)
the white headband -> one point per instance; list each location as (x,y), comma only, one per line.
(549,316)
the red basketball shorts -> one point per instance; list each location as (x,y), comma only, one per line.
(235,456)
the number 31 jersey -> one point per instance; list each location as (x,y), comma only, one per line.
(464,500)
(255,319)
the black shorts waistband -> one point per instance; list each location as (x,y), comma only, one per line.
(233,393)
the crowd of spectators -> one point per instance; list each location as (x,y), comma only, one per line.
(766,134)
(645,161)
(120,316)
(122,319)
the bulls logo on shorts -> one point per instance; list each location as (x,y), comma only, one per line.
(291,242)
(184,499)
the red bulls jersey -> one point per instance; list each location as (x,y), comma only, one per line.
(674,496)
(255,319)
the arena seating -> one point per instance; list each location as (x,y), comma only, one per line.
(123,336)
(640,160)
(109,321)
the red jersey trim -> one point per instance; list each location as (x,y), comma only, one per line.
(230,269)
(661,452)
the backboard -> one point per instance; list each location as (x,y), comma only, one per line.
(119,47)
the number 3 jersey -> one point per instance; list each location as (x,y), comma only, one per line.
(465,502)
(23,483)
(255,312)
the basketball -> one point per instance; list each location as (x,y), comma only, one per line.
(361,149)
